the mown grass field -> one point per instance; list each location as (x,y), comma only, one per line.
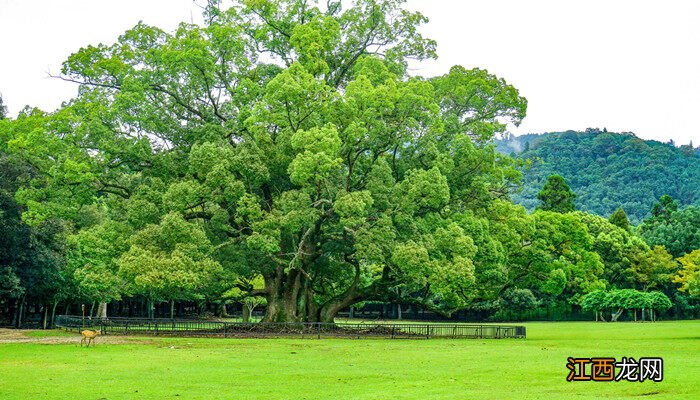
(186,368)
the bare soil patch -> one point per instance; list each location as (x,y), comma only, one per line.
(20,336)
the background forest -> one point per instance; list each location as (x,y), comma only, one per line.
(282,156)
(607,170)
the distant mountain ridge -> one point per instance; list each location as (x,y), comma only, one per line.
(607,170)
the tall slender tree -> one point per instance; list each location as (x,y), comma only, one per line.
(3,108)
(619,218)
(556,195)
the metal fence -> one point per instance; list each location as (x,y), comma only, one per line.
(189,328)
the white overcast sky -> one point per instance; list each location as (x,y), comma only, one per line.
(627,65)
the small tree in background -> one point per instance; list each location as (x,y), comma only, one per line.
(619,218)
(595,301)
(250,302)
(635,300)
(689,274)
(3,109)
(657,301)
(169,261)
(556,196)
(91,260)
(626,299)
(664,208)
(246,292)
(617,301)
(653,269)
(516,301)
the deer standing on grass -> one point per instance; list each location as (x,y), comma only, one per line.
(89,335)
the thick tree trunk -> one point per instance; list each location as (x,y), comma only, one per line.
(102,310)
(286,297)
(245,313)
(223,313)
(290,298)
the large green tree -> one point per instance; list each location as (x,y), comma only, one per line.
(292,137)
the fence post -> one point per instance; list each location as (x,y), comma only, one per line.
(427,331)
(225,328)
(319,329)
(393,327)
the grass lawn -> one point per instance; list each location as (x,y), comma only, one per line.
(186,368)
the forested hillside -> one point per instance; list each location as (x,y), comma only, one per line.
(607,170)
